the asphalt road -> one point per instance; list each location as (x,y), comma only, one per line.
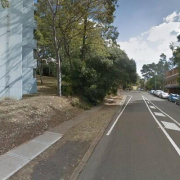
(142,144)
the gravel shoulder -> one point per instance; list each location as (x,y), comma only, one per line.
(61,159)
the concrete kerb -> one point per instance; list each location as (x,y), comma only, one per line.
(91,149)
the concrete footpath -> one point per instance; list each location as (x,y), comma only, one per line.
(15,159)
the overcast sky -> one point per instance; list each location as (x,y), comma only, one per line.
(147,27)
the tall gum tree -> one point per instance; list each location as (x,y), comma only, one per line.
(99,11)
(49,10)
(70,21)
(54,6)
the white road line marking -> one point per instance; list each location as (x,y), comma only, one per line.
(163,130)
(109,132)
(171,126)
(163,112)
(152,107)
(159,114)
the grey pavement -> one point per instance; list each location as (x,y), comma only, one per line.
(140,146)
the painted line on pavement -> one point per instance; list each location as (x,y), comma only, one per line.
(163,112)
(110,130)
(159,114)
(163,130)
(152,107)
(171,126)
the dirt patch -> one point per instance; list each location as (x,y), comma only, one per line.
(23,120)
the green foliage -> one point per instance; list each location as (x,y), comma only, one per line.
(76,102)
(176,59)
(98,75)
(154,83)
(149,70)
(49,69)
(66,89)
(155,73)
(176,56)
(124,69)
(91,68)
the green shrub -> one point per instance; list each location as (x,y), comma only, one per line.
(75,102)
(81,104)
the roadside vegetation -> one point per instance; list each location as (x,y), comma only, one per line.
(77,45)
(154,74)
(176,55)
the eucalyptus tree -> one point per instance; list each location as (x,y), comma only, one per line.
(123,71)
(155,73)
(149,70)
(47,17)
(66,23)
(162,67)
(176,57)
(99,11)
(86,24)
(176,54)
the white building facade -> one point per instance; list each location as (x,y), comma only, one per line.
(17,44)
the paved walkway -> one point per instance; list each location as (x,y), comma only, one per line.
(15,159)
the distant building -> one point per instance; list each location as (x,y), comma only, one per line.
(17,44)
(172,81)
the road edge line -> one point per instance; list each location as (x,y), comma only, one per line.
(88,153)
(110,130)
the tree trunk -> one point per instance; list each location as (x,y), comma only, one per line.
(40,67)
(58,59)
(41,71)
(59,77)
(57,51)
(84,39)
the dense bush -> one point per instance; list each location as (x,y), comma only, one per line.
(98,75)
